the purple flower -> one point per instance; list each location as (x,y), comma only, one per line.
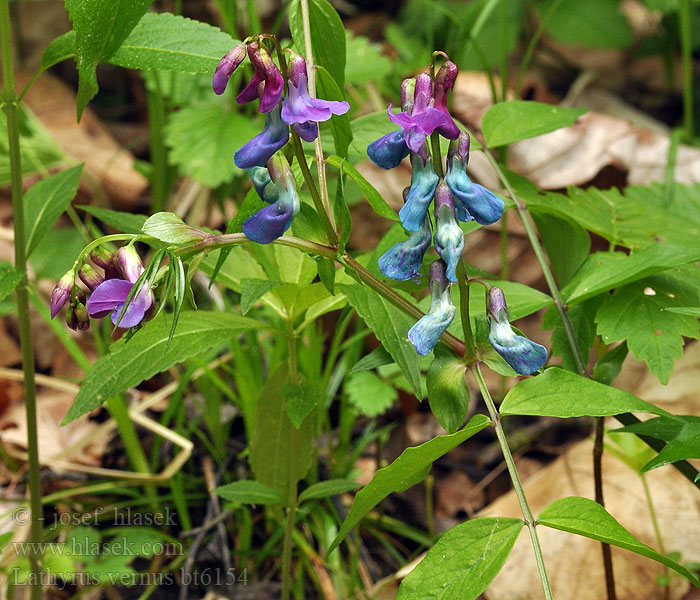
(61,293)
(77,317)
(403,261)
(307,131)
(521,353)
(272,221)
(227,65)
(423,184)
(427,331)
(300,108)
(108,261)
(471,199)
(260,149)
(449,237)
(444,80)
(111,295)
(423,119)
(389,150)
(91,278)
(266,84)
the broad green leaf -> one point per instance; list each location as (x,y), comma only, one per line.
(372,196)
(365,61)
(604,271)
(369,394)
(327,36)
(253,289)
(464,561)
(406,471)
(341,213)
(559,393)
(49,264)
(508,122)
(377,358)
(324,489)
(302,398)
(589,519)
(693,311)
(250,492)
(566,242)
(131,362)
(326,272)
(100,28)
(280,454)
(608,367)
(60,49)
(591,24)
(582,317)
(9,278)
(637,313)
(391,328)
(340,124)
(122,221)
(448,393)
(294,265)
(203,139)
(168,227)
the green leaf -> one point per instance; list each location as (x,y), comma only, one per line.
(377,358)
(365,61)
(372,196)
(294,266)
(121,221)
(168,227)
(582,317)
(280,453)
(559,393)
(693,311)
(324,489)
(604,271)
(253,289)
(100,28)
(369,394)
(591,24)
(5,539)
(302,398)
(327,36)
(203,139)
(589,519)
(391,328)
(464,561)
(49,264)
(9,278)
(448,393)
(636,313)
(608,367)
(144,355)
(342,215)
(566,242)
(508,122)
(60,49)
(46,201)
(326,272)
(406,471)
(250,492)
(340,124)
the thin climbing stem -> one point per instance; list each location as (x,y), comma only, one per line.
(515,479)
(598,484)
(463,281)
(686,50)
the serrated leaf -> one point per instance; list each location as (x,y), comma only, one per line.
(60,49)
(128,364)
(9,278)
(250,492)
(636,313)
(410,468)
(448,393)
(588,518)
(168,227)
(122,221)
(464,561)
(377,358)
(324,489)
(559,393)
(391,328)
(369,394)
(253,289)
(508,122)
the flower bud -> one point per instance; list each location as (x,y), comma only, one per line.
(130,263)
(227,65)
(449,237)
(107,261)
(444,80)
(90,277)
(61,293)
(267,72)
(408,91)
(77,317)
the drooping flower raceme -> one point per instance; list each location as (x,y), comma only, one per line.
(521,353)
(403,261)
(260,149)
(423,183)
(110,296)
(449,237)
(301,110)
(427,331)
(473,201)
(272,221)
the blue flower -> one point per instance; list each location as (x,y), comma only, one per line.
(389,150)
(449,237)
(423,184)
(521,353)
(471,199)
(427,331)
(270,222)
(260,149)
(263,185)
(403,261)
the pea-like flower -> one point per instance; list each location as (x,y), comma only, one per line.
(61,293)
(301,110)
(427,331)
(272,221)
(111,295)
(444,80)
(473,201)
(423,183)
(227,65)
(449,237)
(389,150)
(266,83)
(423,119)
(260,149)
(403,261)
(521,353)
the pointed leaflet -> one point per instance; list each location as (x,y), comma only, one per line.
(250,492)
(9,278)
(448,393)
(121,221)
(331,487)
(407,470)
(589,519)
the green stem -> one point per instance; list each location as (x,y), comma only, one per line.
(437,155)
(515,478)
(287,543)
(598,485)
(25,331)
(463,280)
(686,49)
(502,35)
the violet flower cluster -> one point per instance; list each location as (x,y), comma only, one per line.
(109,292)
(260,156)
